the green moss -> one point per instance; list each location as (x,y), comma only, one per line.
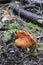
(40,46)
(13,26)
(8,34)
(1,25)
(35,52)
(33,26)
(1,52)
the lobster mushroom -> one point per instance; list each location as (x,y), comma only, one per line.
(25,40)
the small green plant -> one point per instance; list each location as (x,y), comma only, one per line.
(13,26)
(8,34)
(33,26)
(35,52)
(1,52)
(40,46)
(1,25)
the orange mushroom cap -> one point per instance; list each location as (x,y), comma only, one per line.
(22,42)
(25,40)
(21,34)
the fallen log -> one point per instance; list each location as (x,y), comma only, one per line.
(24,1)
(31,1)
(5,1)
(37,19)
